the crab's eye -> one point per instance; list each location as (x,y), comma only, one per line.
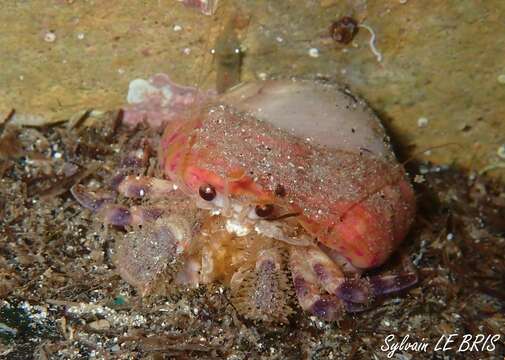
(264,210)
(207,192)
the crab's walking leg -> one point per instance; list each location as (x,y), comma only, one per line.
(343,263)
(362,291)
(333,280)
(145,186)
(263,292)
(114,214)
(93,201)
(387,284)
(118,215)
(135,161)
(355,290)
(307,291)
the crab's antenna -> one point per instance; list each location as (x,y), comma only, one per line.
(284,216)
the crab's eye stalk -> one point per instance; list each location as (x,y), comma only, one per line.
(207,192)
(264,211)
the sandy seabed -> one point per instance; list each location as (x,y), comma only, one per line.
(62,298)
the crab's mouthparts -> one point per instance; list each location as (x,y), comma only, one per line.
(242,219)
(271,228)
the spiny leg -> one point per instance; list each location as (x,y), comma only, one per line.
(262,293)
(309,296)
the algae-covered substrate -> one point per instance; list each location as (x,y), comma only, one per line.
(62,298)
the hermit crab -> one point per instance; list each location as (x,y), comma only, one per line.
(280,190)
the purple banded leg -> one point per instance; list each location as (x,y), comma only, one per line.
(114,214)
(333,280)
(136,161)
(118,215)
(145,186)
(307,290)
(387,284)
(352,292)
(91,200)
(327,272)
(357,293)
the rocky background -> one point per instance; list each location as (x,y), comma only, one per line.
(441,79)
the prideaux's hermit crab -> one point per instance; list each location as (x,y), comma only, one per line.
(273,188)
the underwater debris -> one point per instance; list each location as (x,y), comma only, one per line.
(49,37)
(492,167)
(371,43)
(314,52)
(501,151)
(344,30)
(78,118)
(157,100)
(8,117)
(206,7)
(500,164)
(422,122)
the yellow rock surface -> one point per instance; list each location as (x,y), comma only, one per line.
(441,60)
